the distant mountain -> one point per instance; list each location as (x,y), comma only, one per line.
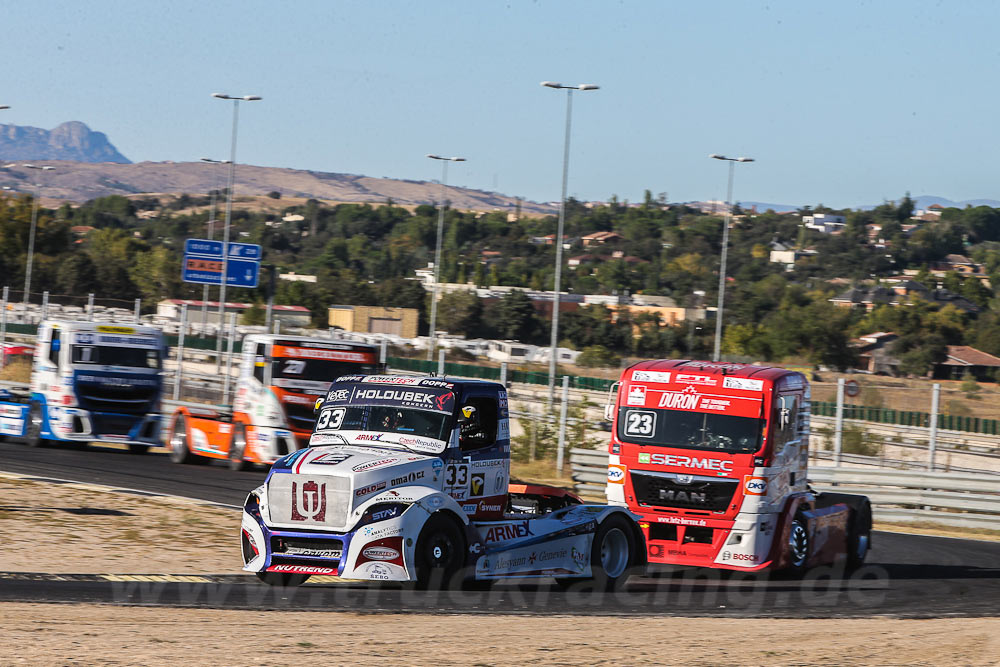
(83,181)
(69,141)
(923,201)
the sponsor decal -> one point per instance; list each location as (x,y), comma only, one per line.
(478,484)
(688,378)
(754,486)
(311,353)
(746,384)
(469,509)
(408,441)
(509,531)
(297,400)
(378,572)
(436,383)
(441,401)
(637,395)
(720,404)
(491,507)
(681,521)
(643,458)
(330,459)
(115,330)
(320,439)
(651,376)
(302,569)
(316,553)
(339,395)
(579,558)
(488,463)
(616,474)
(689,462)
(408,478)
(387,513)
(380,553)
(753,558)
(500,483)
(369,437)
(375,463)
(680,400)
(390,379)
(308,502)
(382,531)
(371,488)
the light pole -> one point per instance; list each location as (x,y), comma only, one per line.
(211,231)
(437,249)
(725,249)
(559,233)
(31,234)
(229,212)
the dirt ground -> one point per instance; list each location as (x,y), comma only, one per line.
(49,634)
(68,528)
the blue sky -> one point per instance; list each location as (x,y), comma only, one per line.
(845,103)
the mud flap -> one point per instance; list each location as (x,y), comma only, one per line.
(827,528)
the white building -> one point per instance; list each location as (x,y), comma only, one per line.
(824,222)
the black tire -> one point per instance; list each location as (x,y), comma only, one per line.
(282,580)
(238,448)
(440,552)
(612,557)
(179,450)
(33,434)
(135,448)
(798,545)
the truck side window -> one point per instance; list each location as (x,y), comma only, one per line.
(54,347)
(484,433)
(786,420)
(259,363)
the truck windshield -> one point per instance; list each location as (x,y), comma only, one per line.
(112,355)
(322,370)
(385,419)
(689,430)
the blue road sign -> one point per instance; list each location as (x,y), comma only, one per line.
(249,251)
(203,247)
(208,271)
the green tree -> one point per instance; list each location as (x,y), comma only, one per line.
(460,312)
(597,356)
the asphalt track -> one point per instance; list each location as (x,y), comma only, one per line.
(908,576)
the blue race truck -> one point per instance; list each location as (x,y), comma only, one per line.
(90,382)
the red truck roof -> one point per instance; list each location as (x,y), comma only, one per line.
(719,368)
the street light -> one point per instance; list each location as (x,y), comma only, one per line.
(437,249)
(725,249)
(211,231)
(229,212)
(31,234)
(559,233)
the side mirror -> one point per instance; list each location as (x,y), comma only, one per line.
(609,406)
(56,344)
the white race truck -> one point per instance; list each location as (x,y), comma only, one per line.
(90,382)
(408,479)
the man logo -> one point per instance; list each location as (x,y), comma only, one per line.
(684,479)
(309,502)
(478,484)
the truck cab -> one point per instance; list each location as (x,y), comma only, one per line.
(93,381)
(280,378)
(408,476)
(714,457)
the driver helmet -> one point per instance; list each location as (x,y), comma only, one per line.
(468,419)
(392,419)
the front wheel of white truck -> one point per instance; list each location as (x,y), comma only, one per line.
(282,580)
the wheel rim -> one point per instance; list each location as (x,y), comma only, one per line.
(798,543)
(614,553)
(239,446)
(439,551)
(178,440)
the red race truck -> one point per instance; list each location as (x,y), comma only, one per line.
(713,457)
(280,378)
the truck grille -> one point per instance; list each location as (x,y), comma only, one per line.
(307,547)
(102,398)
(300,417)
(309,501)
(669,490)
(105,424)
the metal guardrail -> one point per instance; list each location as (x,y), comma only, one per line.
(959,499)
(917,437)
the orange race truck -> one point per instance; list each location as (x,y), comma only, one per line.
(280,378)
(713,457)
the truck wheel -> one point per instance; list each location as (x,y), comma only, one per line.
(859,536)
(179,451)
(134,448)
(798,545)
(33,435)
(281,579)
(612,556)
(440,552)
(238,448)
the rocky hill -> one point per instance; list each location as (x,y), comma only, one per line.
(69,141)
(82,181)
